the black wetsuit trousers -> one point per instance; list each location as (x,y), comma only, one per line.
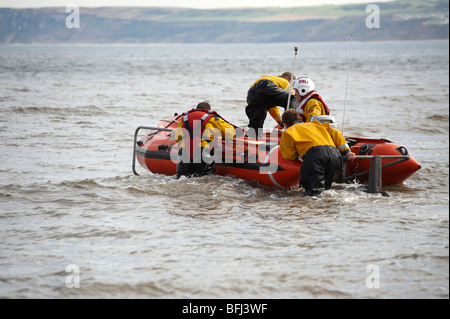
(260,98)
(190,169)
(320,166)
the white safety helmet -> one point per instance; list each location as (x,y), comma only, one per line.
(303,85)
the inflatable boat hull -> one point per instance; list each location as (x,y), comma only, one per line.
(260,159)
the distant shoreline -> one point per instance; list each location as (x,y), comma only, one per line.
(399,20)
(209,43)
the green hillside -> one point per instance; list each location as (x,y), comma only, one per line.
(400,7)
(399,20)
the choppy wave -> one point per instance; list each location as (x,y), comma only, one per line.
(87,110)
(68,196)
(442,118)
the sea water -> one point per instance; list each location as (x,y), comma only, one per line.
(75,222)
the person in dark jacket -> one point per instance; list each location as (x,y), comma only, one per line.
(265,95)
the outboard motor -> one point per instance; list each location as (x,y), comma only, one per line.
(325,118)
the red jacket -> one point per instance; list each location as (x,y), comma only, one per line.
(306,98)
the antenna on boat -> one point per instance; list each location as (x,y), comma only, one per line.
(346,85)
(292,77)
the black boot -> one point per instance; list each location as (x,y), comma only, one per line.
(312,192)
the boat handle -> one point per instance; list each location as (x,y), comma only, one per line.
(135,141)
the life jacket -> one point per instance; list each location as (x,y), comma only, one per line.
(196,117)
(306,98)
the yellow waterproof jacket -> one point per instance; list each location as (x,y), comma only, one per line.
(281,83)
(313,108)
(275,113)
(299,138)
(215,123)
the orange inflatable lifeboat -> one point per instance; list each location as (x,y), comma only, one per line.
(260,159)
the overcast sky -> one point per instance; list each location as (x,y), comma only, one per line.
(199,4)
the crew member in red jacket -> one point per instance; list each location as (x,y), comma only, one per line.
(194,134)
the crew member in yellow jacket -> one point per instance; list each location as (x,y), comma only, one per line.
(311,103)
(195,133)
(265,95)
(319,146)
